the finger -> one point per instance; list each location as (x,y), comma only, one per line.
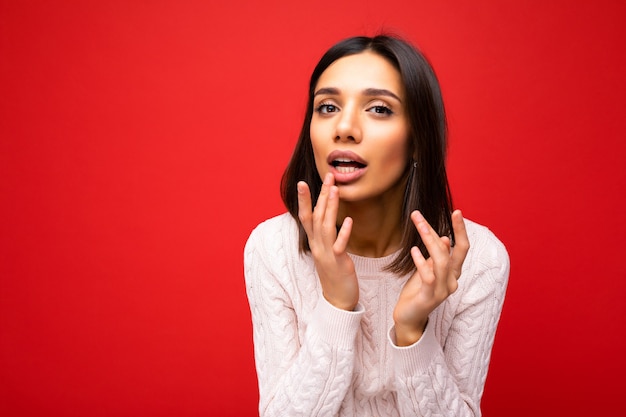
(304,207)
(319,211)
(461,243)
(329,224)
(418,257)
(446,241)
(343,236)
(424,270)
(436,248)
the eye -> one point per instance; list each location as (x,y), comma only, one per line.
(326,108)
(381,110)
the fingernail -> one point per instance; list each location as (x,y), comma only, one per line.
(328,178)
(419,216)
(299,188)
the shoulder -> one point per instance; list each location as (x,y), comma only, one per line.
(273,238)
(483,240)
(273,263)
(276,231)
(277,222)
(487,253)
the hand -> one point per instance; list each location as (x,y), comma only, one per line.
(328,247)
(435,278)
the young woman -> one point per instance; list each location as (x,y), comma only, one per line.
(370,297)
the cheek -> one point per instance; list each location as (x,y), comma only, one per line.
(318,152)
(396,155)
(315,133)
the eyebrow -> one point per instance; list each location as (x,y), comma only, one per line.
(368,92)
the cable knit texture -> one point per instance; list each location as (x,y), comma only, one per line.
(313,359)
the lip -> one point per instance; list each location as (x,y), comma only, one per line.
(339,154)
(346,177)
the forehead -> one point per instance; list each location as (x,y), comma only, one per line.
(361,71)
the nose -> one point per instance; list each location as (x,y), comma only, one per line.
(348,126)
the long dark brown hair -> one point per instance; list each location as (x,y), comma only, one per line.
(427,186)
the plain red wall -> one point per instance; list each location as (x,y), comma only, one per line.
(141,141)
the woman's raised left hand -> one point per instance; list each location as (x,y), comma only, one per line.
(433,281)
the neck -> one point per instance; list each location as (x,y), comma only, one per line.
(376,229)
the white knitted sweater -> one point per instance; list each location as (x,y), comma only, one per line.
(313,359)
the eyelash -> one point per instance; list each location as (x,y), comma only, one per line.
(325,106)
(385,110)
(381,109)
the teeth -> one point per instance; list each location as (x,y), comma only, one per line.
(340,160)
(345,170)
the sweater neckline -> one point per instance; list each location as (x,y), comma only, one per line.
(366,265)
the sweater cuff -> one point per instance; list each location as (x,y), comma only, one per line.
(416,358)
(335,326)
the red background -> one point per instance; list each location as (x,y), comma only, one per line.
(141,141)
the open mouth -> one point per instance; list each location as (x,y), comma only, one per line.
(346,166)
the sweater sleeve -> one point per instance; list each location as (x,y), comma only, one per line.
(298,375)
(448,381)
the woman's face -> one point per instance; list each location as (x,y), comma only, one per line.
(359,128)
